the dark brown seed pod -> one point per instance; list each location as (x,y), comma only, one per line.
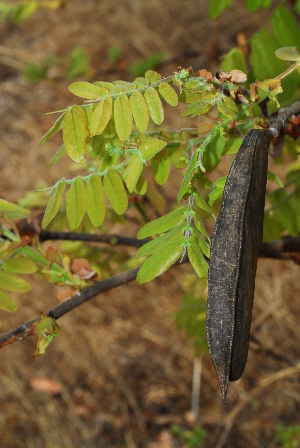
(235,248)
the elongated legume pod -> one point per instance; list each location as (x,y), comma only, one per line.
(235,248)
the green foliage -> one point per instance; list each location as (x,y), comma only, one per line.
(288,436)
(78,65)
(216,7)
(149,63)
(34,72)
(114,54)
(45,331)
(190,438)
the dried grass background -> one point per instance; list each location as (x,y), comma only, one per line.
(123,370)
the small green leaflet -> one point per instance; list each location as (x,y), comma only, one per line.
(7,303)
(95,200)
(168,94)
(20,265)
(156,244)
(218,6)
(164,223)
(75,133)
(123,117)
(45,331)
(150,147)
(57,125)
(188,175)
(161,260)
(153,76)
(272,177)
(141,186)
(115,191)
(204,246)
(88,91)
(288,54)
(101,116)
(213,152)
(161,168)
(196,258)
(76,203)
(133,172)
(139,111)
(58,155)
(201,202)
(53,204)
(154,105)
(13,211)
(12,282)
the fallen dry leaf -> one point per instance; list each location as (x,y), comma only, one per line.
(44,384)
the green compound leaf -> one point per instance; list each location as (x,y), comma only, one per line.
(95,200)
(57,126)
(53,204)
(285,28)
(154,105)
(123,117)
(161,168)
(196,258)
(7,303)
(115,191)
(76,203)
(13,211)
(168,94)
(158,243)
(75,133)
(87,90)
(150,147)
(153,76)
(164,223)
(12,282)
(161,260)
(133,172)
(20,265)
(101,116)
(139,111)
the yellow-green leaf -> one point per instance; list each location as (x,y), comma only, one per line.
(196,258)
(141,186)
(57,125)
(152,76)
(123,117)
(75,133)
(58,155)
(87,90)
(133,172)
(150,147)
(164,223)
(76,203)
(95,200)
(13,211)
(53,204)
(161,260)
(154,105)
(20,265)
(101,116)
(7,303)
(161,168)
(115,191)
(288,54)
(139,111)
(12,282)
(168,94)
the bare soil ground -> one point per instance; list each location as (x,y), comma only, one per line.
(123,369)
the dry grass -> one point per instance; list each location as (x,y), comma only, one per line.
(124,371)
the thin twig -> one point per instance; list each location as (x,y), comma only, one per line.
(114,239)
(27,329)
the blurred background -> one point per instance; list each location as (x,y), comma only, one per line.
(120,374)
